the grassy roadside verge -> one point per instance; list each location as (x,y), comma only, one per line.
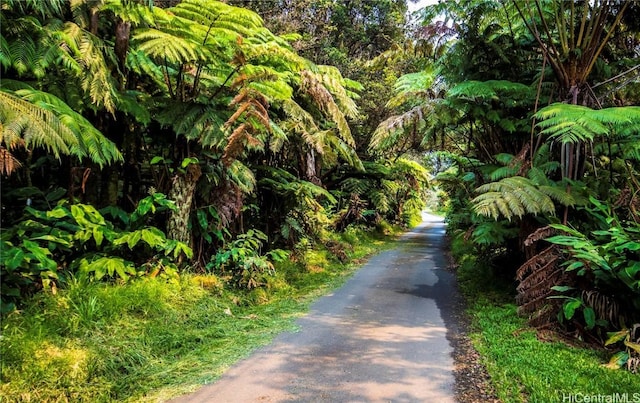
(522,367)
(151,340)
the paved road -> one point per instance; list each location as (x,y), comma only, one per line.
(382,337)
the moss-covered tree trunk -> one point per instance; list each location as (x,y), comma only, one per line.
(182,192)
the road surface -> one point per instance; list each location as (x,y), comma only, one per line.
(382,337)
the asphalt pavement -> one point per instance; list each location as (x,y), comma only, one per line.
(382,337)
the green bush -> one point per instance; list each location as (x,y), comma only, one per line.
(45,248)
(243,262)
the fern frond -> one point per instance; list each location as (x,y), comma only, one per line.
(512,197)
(165,46)
(492,89)
(311,86)
(380,201)
(130,11)
(574,123)
(415,81)
(334,144)
(503,172)
(90,142)
(242,176)
(274,54)
(31,118)
(357,186)
(140,63)
(8,163)
(332,79)
(27,125)
(278,137)
(558,194)
(389,133)
(83,54)
(206,12)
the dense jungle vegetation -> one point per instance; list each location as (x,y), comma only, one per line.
(156,150)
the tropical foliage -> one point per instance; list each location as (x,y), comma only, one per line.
(146,139)
(532,108)
(191,116)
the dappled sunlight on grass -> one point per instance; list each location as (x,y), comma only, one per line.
(151,339)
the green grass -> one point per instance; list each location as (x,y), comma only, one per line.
(522,367)
(150,340)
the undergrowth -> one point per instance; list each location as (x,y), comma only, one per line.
(150,339)
(526,366)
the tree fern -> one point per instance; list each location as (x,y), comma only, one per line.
(312,86)
(83,55)
(391,134)
(134,12)
(8,163)
(32,118)
(492,89)
(575,123)
(27,125)
(514,197)
(332,79)
(168,46)
(230,18)
(252,113)
(289,186)
(357,186)
(336,149)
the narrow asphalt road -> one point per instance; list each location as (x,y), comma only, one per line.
(382,337)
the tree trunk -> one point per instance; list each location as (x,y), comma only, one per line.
(182,192)
(311,168)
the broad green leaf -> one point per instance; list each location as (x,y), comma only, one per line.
(55,239)
(98,235)
(12,257)
(58,212)
(589,317)
(134,238)
(562,288)
(615,337)
(37,213)
(569,308)
(634,346)
(153,237)
(202,219)
(41,254)
(617,360)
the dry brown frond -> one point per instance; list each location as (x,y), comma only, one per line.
(540,233)
(8,163)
